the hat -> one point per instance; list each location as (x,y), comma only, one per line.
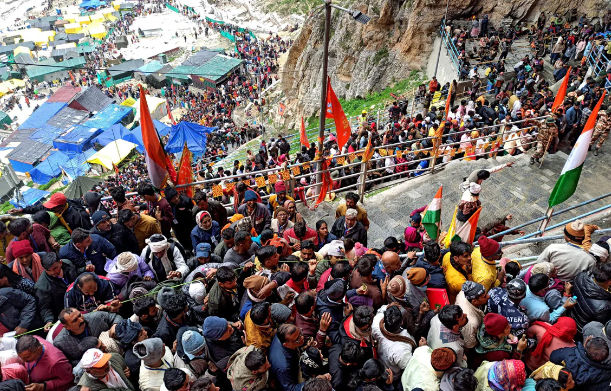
(48,259)
(443,358)
(94,358)
(473,290)
(495,324)
(336,248)
(336,290)
(127,331)
(192,343)
(203,250)
(21,248)
(474,133)
(550,120)
(214,327)
(488,247)
(397,287)
(280,313)
(92,198)
(600,252)
(351,213)
(154,350)
(98,216)
(310,362)
(416,275)
(280,187)
(126,262)
(474,188)
(575,231)
(164,295)
(255,283)
(516,289)
(416,217)
(56,199)
(157,243)
(250,196)
(197,291)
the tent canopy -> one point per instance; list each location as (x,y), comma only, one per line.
(42,115)
(76,140)
(194,135)
(79,187)
(109,116)
(29,197)
(49,168)
(113,153)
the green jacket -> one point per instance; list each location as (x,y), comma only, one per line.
(118,364)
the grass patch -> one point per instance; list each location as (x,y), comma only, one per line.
(5,207)
(49,184)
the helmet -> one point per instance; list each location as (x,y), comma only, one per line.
(364,112)
(516,289)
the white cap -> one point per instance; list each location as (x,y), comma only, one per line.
(94,358)
(336,248)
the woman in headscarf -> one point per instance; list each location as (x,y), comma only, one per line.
(506,375)
(206,230)
(291,208)
(550,337)
(495,341)
(27,263)
(549,370)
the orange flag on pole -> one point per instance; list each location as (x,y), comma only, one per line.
(368,154)
(158,163)
(342,126)
(303,137)
(448,101)
(185,172)
(561,92)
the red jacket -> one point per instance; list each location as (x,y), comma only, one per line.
(52,369)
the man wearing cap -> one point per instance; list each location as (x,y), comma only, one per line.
(547,137)
(117,234)
(88,252)
(506,302)
(52,285)
(570,258)
(469,203)
(204,256)
(155,358)
(332,253)
(352,200)
(164,258)
(483,262)
(601,130)
(479,176)
(70,213)
(223,339)
(276,200)
(472,298)
(258,213)
(347,227)
(104,371)
(597,329)
(27,262)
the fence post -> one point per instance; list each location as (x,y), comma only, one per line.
(363,182)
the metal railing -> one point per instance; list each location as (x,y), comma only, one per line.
(453,53)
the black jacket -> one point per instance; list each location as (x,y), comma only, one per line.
(17,308)
(588,375)
(76,216)
(50,291)
(358,233)
(593,302)
(121,237)
(75,298)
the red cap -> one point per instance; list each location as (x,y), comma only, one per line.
(21,248)
(280,187)
(495,324)
(488,247)
(56,199)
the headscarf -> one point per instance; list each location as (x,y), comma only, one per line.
(549,370)
(199,217)
(36,268)
(507,375)
(565,328)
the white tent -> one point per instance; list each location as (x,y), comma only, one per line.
(112,153)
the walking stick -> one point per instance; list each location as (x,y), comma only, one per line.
(549,141)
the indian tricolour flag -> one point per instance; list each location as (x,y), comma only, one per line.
(432,217)
(466,232)
(569,178)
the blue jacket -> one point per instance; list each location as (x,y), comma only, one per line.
(537,309)
(18,308)
(437,280)
(75,298)
(284,366)
(211,236)
(499,303)
(323,304)
(587,374)
(96,254)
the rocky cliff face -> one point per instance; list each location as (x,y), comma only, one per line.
(397,40)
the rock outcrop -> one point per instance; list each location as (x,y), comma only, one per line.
(397,40)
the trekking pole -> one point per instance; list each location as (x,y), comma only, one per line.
(549,141)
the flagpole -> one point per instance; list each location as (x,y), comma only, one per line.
(323,92)
(545,222)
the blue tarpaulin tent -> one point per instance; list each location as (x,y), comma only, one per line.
(77,165)
(49,168)
(135,136)
(187,132)
(46,134)
(77,140)
(88,4)
(117,132)
(29,197)
(109,116)
(42,114)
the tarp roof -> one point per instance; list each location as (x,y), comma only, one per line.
(79,187)
(50,66)
(77,165)
(64,94)
(23,59)
(92,99)
(67,117)
(109,116)
(112,153)
(115,132)
(47,134)
(48,168)
(199,58)
(217,67)
(150,67)
(181,72)
(9,48)
(125,67)
(41,115)
(29,197)
(92,4)
(29,152)
(135,136)
(76,140)
(194,135)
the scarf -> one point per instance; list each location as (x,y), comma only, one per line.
(565,328)
(395,337)
(547,370)
(32,274)
(488,343)
(111,380)
(507,375)
(198,219)
(61,219)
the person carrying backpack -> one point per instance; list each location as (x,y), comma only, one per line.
(165,257)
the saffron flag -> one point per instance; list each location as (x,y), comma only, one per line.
(303,137)
(342,126)
(448,100)
(448,239)
(561,92)
(368,154)
(569,177)
(281,109)
(158,163)
(185,172)
(327,182)
(432,217)
(466,232)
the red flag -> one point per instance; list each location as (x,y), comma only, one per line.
(167,105)
(561,92)
(185,172)
(342,126)
(368,154)
(327,182)
(158,163)
(303,137)
(115,168)
(448,101)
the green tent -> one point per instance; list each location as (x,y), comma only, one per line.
(80,186)
(5,119)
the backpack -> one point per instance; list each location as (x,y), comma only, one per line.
(173,243)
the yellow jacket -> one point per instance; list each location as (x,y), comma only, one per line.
(454,278)
(259,337)
(483,271)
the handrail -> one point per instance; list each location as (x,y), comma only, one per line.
(566,222)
